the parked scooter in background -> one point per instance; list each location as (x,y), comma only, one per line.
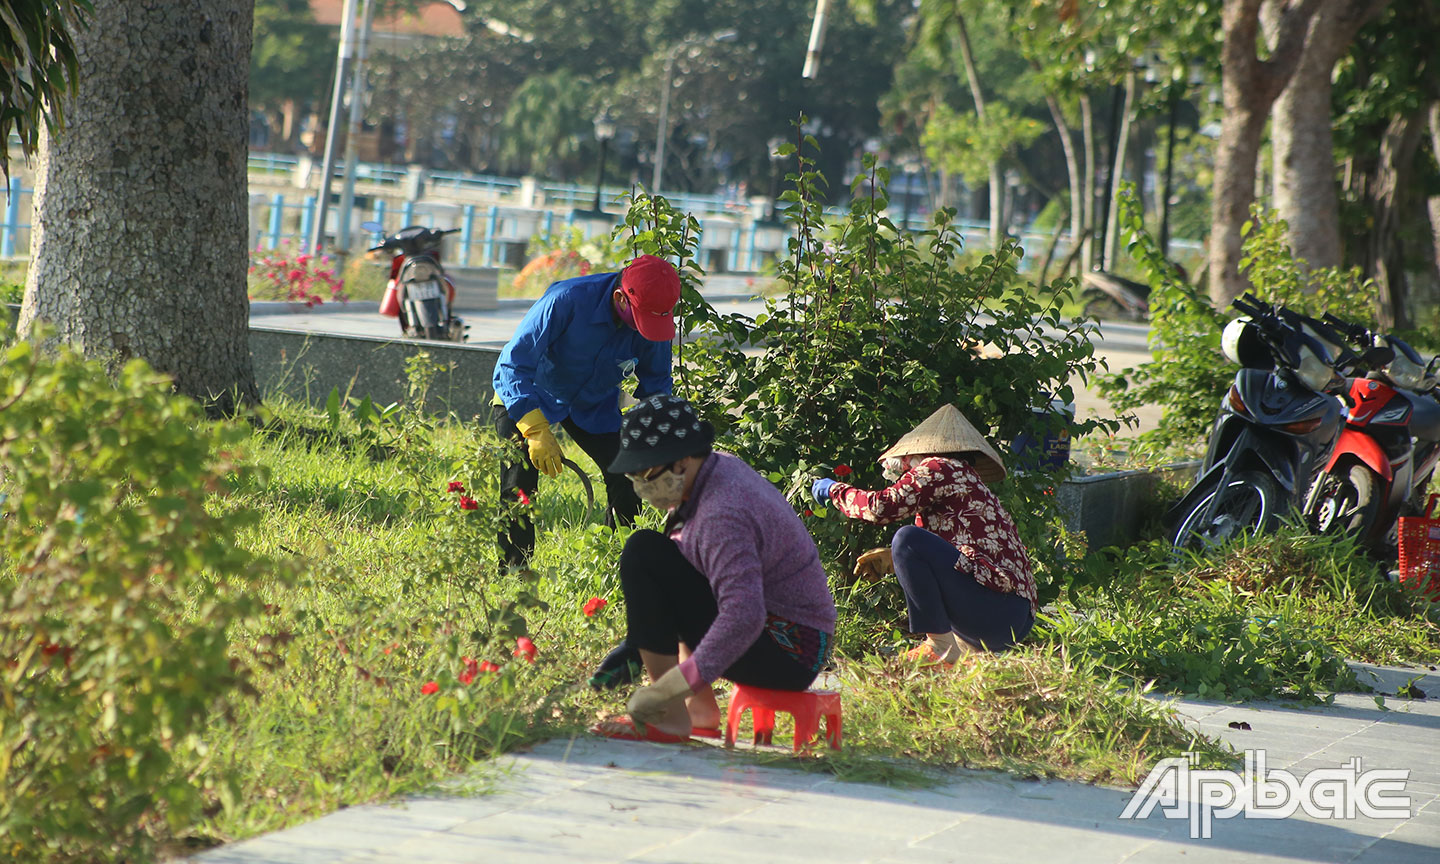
(419,293)
(1386,454)
(1276,427)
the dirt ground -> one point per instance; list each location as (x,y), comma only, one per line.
(1088,403)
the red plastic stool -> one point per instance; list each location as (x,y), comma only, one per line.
(807,708)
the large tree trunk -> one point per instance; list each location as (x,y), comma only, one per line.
(1304,157)
(1249,87)
(1072,165)
(997,182)
(139,246)
(1433,203)
(1386,255)
(1117,173)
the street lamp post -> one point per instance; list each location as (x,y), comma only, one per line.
(662,126)
(345,54)
(604,131)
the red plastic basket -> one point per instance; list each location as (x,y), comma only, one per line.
(1420,552)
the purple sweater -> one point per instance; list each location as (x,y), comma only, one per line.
(738,530)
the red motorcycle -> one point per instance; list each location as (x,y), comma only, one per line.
(1386,454)
(419,293)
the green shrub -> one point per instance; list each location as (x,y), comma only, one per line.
(877,329)
(12,293)
(122,579)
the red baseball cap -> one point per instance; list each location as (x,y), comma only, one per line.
(652,285)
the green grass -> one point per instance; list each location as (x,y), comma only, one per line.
(402,586)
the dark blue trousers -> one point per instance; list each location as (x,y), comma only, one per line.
(941,598)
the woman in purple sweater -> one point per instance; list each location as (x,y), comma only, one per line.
(732,588)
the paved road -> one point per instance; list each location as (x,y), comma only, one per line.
(588,800)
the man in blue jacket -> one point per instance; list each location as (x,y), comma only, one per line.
(564,366)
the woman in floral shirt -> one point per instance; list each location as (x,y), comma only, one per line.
(966,575)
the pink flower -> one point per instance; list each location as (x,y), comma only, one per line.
(429,688)
(455,486)
(594,604)
(468,503)
(525,648)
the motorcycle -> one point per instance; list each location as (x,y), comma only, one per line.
(418,293)
(1276,426)
(1386,455)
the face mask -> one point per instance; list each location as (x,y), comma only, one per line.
(663,492)
(626,313)
(893,468)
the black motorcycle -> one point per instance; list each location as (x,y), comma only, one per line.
(418,293)
(1276,427)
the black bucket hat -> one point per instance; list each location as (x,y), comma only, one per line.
(659,430)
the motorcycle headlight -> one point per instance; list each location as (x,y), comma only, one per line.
(1314,372)
(1405,374)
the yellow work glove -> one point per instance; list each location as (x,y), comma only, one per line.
(650,704)
(544,449)
(874,564)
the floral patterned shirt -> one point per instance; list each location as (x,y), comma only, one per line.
(947,498)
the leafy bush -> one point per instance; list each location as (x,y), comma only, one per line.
(1188,374)
(878,328)
(12,293)
(305,278)
(122,579)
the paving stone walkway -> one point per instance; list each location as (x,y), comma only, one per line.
(589,800)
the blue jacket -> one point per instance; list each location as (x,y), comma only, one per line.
(570,353)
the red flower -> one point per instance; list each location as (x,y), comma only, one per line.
(456,486)
(429,687)
(487,666)
(50,649)
(809,512)
(467,676)
(524,499)
(595,604)
(842,471)
(468,503)
(525,648)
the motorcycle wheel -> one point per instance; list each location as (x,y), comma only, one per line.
(1249,504)
(434,320)
(1344,503)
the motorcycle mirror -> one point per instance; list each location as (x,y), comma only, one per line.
(1377,356)
(373,227)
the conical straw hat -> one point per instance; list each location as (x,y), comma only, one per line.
(947,431)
